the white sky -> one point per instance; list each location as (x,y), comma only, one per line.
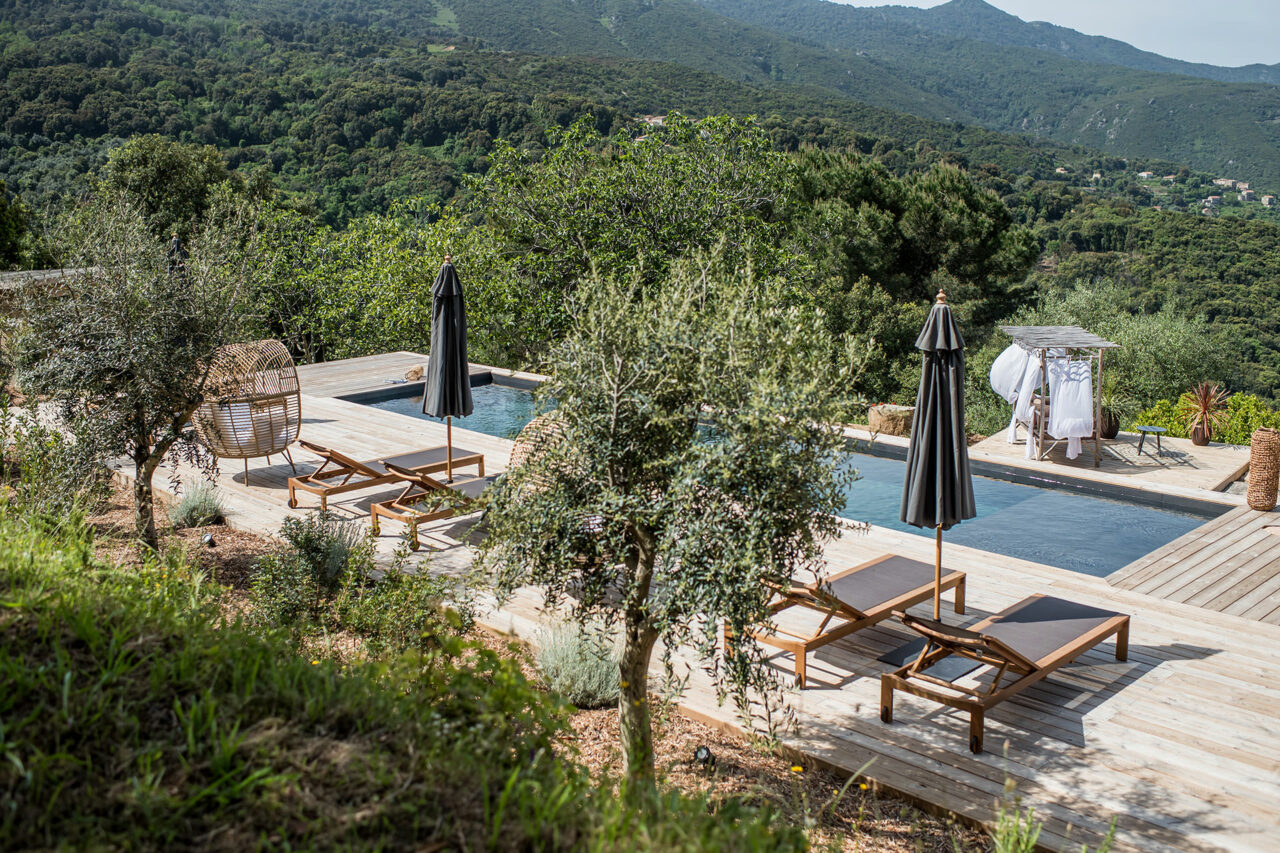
(1220,32)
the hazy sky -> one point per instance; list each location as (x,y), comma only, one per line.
(1221,32)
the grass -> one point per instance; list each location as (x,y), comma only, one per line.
(197,506)
(135,716)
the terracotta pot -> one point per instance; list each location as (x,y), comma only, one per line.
(1200,436)
(1109,426)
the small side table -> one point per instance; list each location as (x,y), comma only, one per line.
(1144,431)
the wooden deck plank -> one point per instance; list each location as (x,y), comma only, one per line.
(1181,742)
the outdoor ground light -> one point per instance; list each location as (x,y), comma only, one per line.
(703,756)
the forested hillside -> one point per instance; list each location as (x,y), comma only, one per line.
(344,108)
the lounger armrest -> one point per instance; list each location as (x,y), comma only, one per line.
(958,639)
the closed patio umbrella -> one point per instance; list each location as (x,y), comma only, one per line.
(938,490)
(448,390)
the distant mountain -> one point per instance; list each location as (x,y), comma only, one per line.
(979,20)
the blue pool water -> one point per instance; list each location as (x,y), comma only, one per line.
(1078,532)
(1082,533)
(499,410)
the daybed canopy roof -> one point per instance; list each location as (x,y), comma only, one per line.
(1051,337)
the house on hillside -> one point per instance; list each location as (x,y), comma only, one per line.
(1062,170)
(1228,183)
(1168,179)
(1268,201)
(1146,176)
(1212,201)
(1242,185)
(1097,176)
(1246,195)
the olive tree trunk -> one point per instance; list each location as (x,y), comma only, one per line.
(639,638)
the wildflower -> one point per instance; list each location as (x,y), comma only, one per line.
(796,768)
(863,785)
(315,663)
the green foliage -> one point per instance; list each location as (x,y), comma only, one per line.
(198,505)
(640,518)
(1244,414)
(628,207)
(400,610)
(580,662)
(14,219)
(170,184)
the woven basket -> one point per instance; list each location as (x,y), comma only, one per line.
(1264,469)
(252,406)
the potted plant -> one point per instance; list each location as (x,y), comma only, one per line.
(1204,411)
(1116,407)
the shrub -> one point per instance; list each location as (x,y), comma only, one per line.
(326,578)
(402,610)
(198,506)
(581,664)
(1245,413)
(46,470)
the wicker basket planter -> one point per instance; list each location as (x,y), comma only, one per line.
(890,419)
(252,404)
(1264,469)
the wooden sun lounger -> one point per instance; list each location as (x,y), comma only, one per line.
(1028,640)
(854,599)
(352,476)
(443,499)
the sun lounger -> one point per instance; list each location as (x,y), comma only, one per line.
(427,499)
(340,473)
(854,599)
(1027,641)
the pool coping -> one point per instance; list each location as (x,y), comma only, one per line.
(399,390)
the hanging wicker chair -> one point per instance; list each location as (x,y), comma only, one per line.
(252,405)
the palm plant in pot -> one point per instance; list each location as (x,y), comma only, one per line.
(1116,407)
(1204,410)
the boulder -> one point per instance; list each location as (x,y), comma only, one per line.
(891,419)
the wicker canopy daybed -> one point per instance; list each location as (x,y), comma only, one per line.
(252,405)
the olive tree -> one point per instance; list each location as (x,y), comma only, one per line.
(699,465)
(125,344)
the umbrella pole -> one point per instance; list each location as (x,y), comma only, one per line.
(448,449)
(937,574)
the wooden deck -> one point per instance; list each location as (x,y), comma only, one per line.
(1181,743)
(1180,465)
(1231,565)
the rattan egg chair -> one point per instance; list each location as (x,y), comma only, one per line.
(252,405)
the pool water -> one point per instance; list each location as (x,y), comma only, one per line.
(1054,527)
(499,410)
(1081,533)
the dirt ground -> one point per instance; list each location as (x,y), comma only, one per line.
(846,817)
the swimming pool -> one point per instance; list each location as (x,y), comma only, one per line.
(1056,527)
(500,410)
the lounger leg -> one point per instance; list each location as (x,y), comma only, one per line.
(481,466)
(324,503)
(1122,642)
(373,521)
(976,719)
(293,497)
(413,536)
(886,700)
(801,660)
(959,594)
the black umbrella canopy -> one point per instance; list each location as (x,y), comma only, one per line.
(938,490)
(448,391)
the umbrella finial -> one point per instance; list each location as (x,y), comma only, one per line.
(448,258)
(942,298)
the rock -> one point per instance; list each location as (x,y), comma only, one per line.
(413,374)
(890,419)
